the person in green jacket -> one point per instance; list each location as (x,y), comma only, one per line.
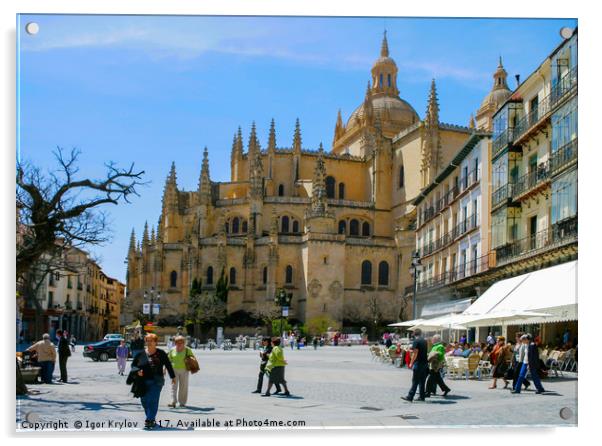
(275,368)
(177,355)
(436,362)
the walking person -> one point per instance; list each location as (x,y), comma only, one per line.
(500,358)
(275,368)
(148,365)
(264,354)
(516,364)
(64,353)
(419,365)
(315,342)
(137,344)
(177,356)
(529,357)
(72,342)
(121,353)
(436,360)
(46,357)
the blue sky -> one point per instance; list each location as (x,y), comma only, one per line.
(152,89)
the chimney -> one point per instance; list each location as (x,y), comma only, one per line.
(517,76)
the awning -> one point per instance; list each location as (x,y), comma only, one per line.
(430,310)
(552,291)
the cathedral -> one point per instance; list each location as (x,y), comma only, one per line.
(333,227)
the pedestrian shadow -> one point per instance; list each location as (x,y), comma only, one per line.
(455,397)
(446,401)
(290,397)
(93,406)
(191,409)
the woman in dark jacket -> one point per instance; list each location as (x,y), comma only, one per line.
(149,364)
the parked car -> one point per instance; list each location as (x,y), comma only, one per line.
(113,336)
(104,350)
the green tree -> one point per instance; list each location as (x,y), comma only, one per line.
(319,325)
(221,287)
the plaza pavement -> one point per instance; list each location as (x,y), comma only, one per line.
(333,386)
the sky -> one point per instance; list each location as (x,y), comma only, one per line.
(157,89)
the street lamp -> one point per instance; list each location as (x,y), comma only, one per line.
(415,270)
(151,295)
(282,299)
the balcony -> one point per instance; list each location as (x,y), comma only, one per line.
(80,286)
(502,140)
(559,234)
(532,181)
(501,196)
(456,274)
(459,230)
(564,157)
(566,85)
(534,119)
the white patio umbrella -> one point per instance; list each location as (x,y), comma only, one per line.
(499,318)
(406,323)
(449,321)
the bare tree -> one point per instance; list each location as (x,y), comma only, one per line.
(57,205)
(267,312)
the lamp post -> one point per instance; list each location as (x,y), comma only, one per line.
(415,270)
(152,295)
(282,299)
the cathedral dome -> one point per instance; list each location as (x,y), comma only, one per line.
(500,91)
(392,110)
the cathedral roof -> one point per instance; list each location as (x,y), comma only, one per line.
(393,110)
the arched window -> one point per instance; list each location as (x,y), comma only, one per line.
(295,226)
(330,181)
(173,279)
(285,224)
(341,191)
(244,226)
(235,225)
(366,272)
(227,227)
(265,275)
(401,177)
(389,79)
(209,280)
(232,276)
(380,84)
(289,274)
(281,190)
(354,227)
(342,227)
(383,273)
(366,229)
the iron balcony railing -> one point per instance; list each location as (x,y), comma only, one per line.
(560,233)
(460,229)
(564,156)
(502,140)
(533,117)
(532,179)
(464,183)
(565,85)
(458,272)
(501,194)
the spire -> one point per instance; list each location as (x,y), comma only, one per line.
(237,145)
(255,165)
(471,124)
(205,180)
(152,238)
(499,77)
(368,108)
(384,47)
(272,137)
(318,189)
(132,247)
(170,192)
(339,128)
(297,137)
(145,235)
(432,110)
(253,142)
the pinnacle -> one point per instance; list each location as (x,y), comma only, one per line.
(384,48)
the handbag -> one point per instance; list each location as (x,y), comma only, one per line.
(192,365)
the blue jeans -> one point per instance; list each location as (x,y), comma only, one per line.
(523,375)
(150,400)
(419,373)
(46,371)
